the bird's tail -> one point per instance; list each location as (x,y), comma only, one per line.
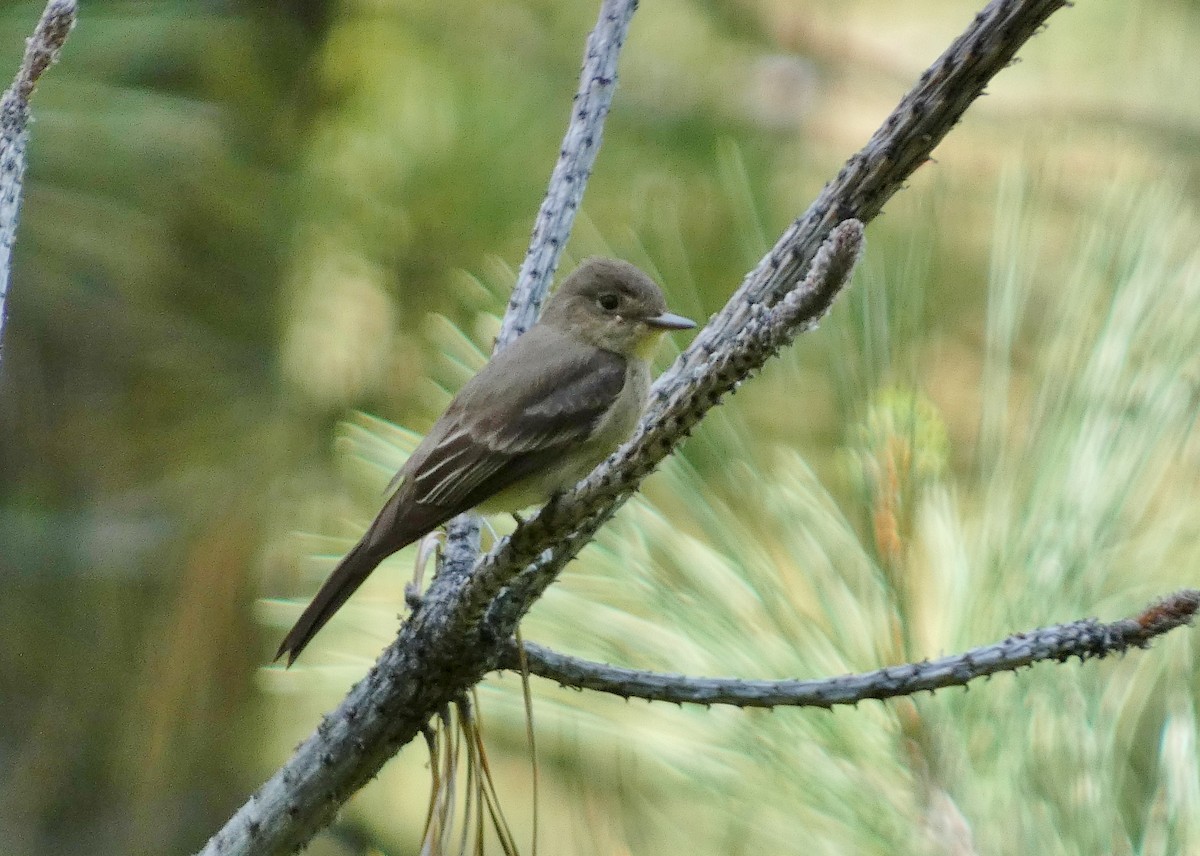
(343,582)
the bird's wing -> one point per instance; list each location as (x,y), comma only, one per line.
(514,418)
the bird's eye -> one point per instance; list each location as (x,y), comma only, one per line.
(608,302)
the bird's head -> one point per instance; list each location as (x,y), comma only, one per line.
(612,305)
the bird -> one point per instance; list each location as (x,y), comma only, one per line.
(537,418)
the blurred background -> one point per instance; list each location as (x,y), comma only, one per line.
(257,237)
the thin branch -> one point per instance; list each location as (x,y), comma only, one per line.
(556,217)
(1085,639)
(443,649)
(41,52)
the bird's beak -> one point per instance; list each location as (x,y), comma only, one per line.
(669,321)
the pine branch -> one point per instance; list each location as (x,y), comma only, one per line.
(1086,639)
(41,52)
(581,143)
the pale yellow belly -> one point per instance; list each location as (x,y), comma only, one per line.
(613,430)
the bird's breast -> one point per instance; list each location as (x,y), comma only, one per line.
(618,423)
(612,429)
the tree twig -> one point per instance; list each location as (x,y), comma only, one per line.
(41,52)
(1086,639)
(556,217)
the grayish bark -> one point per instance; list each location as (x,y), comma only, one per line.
(1083,639)
(556,217)
(41,52)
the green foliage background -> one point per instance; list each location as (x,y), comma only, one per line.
(245,223)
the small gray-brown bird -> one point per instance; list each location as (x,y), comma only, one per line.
(534,421)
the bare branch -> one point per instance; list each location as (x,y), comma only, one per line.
(556,217)
(41,51)
(1085,639)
